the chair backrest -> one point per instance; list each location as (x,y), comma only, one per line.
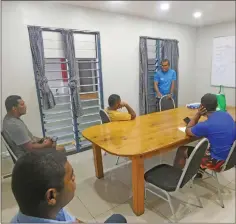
(166,103)
(230,162)
(193,163)
(104,116)
(10,146)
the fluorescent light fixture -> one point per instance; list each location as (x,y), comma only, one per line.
(197,15)
(165,6)
(116,1)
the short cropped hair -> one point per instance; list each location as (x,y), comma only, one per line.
(209,101)
(33,174)
(165,60)
(11,101)
(113,99)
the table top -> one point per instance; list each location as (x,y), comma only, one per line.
(146,134)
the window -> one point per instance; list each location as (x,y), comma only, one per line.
(60,120)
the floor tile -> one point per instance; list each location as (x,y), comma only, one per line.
(78,210)
(8,214)
(8,200)
(212,211)
(125,209)
(231,185)
(104,192)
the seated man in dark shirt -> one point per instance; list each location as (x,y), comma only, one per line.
(17,130)
(219,129)
(43,183)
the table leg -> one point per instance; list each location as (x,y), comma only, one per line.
(97,155)
(138,185)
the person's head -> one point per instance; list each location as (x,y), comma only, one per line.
(209,101)
(114,101)
(165,65)
(43,183)
(15,105)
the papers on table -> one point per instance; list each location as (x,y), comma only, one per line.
(182,129)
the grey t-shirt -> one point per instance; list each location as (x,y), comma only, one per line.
(18,132)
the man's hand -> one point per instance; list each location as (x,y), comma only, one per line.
(169,96)
(48,143)
(122,104)
(159,95)
(202,111)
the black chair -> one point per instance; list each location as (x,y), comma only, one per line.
(166,178)
(166,104)
(230,162)
(10,146)
(105,119)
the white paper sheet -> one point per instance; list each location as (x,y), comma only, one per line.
(182,129)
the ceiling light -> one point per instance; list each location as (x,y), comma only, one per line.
(165,6)
(116,1)
(197,15)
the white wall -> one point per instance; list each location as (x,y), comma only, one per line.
(119,43)
(204,48)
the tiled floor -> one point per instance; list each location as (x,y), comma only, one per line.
(96,200)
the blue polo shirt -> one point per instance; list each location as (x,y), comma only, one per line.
(220,130)
(164,80)
(62,217)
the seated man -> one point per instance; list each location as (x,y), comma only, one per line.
(115,103)
(219,129)
(18,132)
(43,183)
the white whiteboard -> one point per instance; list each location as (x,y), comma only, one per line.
(223,62)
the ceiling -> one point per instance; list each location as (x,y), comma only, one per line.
(213,12)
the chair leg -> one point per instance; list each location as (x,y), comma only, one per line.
(218,189)
(145,193)
(117,160)
(171,206)
(195,192)
(160,158)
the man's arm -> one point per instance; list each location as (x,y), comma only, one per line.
(35,146)
(193,122)
(130,111)
(157,89)
(172,87)
(156,80)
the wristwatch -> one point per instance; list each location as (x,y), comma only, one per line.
(54,138)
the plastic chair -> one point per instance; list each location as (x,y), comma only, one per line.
(230,162)
(105,119)
(166,178)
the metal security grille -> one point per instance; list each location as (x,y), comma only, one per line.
(89,64)
(60,120)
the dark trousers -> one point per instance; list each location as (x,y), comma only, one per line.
(157,103)
(116,218)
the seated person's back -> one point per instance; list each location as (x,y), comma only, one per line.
(219,128)
(115,103)
(43,183)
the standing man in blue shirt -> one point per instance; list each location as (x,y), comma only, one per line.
(164,81)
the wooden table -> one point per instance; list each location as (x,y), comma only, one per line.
(144,137)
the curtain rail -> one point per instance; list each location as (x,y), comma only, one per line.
(157,38)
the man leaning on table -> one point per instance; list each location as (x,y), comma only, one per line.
(164,81)
(115,103)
